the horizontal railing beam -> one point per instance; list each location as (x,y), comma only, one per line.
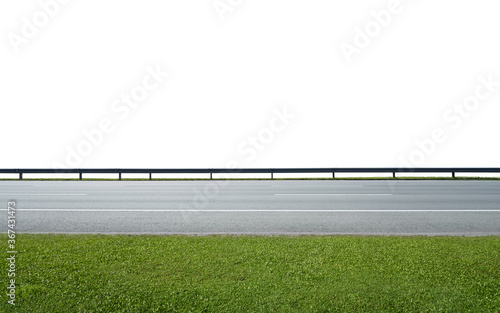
(150,171)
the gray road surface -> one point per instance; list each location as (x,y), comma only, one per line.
(255,207)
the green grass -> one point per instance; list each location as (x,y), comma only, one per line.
(120,273)
(303,178)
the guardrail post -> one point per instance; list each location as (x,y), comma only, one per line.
(150,176)
(272,175)
(81,176)
(119,176)
(333,175)
(20,175)
(394,175)
(453,174)
(210,175)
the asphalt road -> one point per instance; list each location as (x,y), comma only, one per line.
(255,207)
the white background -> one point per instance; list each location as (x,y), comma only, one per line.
(227,75)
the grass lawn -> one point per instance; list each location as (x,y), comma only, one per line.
(120,273)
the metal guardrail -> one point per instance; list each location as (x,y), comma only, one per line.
(271,171)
